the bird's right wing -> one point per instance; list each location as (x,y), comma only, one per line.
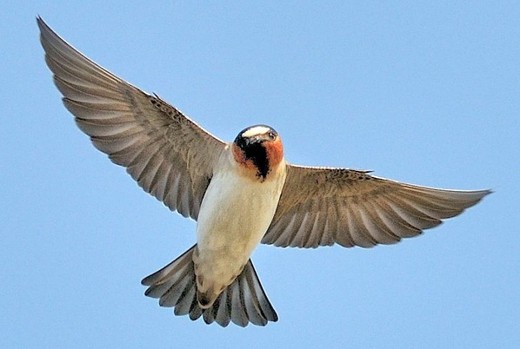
(165,152)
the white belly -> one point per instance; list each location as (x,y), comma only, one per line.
(234,216)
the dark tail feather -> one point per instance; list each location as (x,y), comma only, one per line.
(241,302)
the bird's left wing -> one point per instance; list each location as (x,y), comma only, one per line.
(165,152)
(323,206)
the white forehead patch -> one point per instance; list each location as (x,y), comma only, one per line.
(257,130)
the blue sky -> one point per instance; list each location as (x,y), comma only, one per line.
(418,92)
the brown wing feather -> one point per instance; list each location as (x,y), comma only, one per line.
(323,206)
(165,152)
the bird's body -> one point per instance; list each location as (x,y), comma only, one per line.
(241,193)
(236,211)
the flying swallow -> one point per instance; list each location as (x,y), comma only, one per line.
(241,193)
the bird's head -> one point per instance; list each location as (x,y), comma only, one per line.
(258,148)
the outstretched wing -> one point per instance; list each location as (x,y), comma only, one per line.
(323,206)
(165,152)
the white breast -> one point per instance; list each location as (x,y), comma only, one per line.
(234,216)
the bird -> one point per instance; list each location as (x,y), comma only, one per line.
(241,193)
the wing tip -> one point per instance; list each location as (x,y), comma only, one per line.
(44,28)
(477,195)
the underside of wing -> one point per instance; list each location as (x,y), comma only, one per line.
(165,152)
(324,206)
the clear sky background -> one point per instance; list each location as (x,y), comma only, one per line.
(418,92)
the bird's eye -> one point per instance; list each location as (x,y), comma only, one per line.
(271,135)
